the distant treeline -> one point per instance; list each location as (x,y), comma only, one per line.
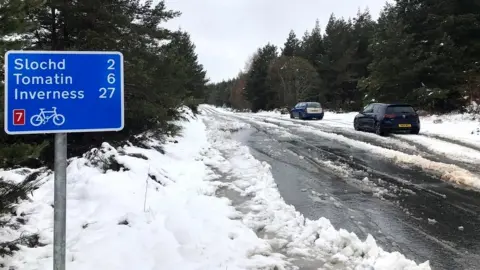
(426,53)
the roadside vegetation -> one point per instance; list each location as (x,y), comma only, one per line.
(421,52)
(161,74)
(161,67)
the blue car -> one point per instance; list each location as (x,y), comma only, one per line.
(307,110)
(384,118)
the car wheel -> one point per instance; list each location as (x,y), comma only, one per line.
(355,125)
(379,130)
(291,116)
(415,131)
(301,116)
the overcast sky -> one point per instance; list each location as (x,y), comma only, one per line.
(227,32)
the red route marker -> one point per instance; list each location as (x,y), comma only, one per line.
(19,117)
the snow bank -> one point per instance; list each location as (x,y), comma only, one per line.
(146,211)
(462,127)
(287,229)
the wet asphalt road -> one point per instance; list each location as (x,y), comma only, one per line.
(405,209)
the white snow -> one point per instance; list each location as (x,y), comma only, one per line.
(162,212)
(184,226)
(462,127)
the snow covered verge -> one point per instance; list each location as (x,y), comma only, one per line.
(136,208)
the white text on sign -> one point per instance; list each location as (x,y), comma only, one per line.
(44,81)
(107,92)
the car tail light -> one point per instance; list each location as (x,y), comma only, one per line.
(389,116)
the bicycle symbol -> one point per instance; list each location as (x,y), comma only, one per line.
(43,117)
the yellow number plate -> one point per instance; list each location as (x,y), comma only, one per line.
(404,125)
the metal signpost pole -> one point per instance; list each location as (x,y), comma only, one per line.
(60,201)
(61,92)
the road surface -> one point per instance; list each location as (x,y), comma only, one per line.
(406,208)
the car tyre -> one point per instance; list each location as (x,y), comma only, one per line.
(355,125)
(379,130)
(291,116)
(415,131)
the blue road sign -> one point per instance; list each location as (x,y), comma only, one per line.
(63,92)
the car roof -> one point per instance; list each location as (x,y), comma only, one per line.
(308,102)
(392,104)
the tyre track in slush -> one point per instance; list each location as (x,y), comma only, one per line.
(431,198)
(394,143)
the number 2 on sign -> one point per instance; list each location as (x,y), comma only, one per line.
(104,91)
(111,62)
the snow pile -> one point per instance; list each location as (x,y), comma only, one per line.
(465,127)
(474,108)
(287,230)
(133,208)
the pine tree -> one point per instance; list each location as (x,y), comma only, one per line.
(161,67)
(292,45)
(257,90)
(192,74)
(339,50)
(391,73)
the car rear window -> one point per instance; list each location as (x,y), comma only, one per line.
(314,105)
(399,109)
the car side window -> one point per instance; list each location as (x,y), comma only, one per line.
(297,106)
(368,109)
(380,109)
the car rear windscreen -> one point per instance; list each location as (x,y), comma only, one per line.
(400,110)
(314,105)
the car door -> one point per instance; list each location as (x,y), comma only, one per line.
(373,116)
(295,110)
(301,109)
(363,118)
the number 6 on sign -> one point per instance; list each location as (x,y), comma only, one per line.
(111,78)
(104,91)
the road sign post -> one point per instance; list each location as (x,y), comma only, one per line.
(60,201)
(63,92)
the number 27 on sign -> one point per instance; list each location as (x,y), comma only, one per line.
(107,92)
(19,117)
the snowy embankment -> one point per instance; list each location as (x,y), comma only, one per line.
(135,208)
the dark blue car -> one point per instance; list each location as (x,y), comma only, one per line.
(307,110)
(384,118)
